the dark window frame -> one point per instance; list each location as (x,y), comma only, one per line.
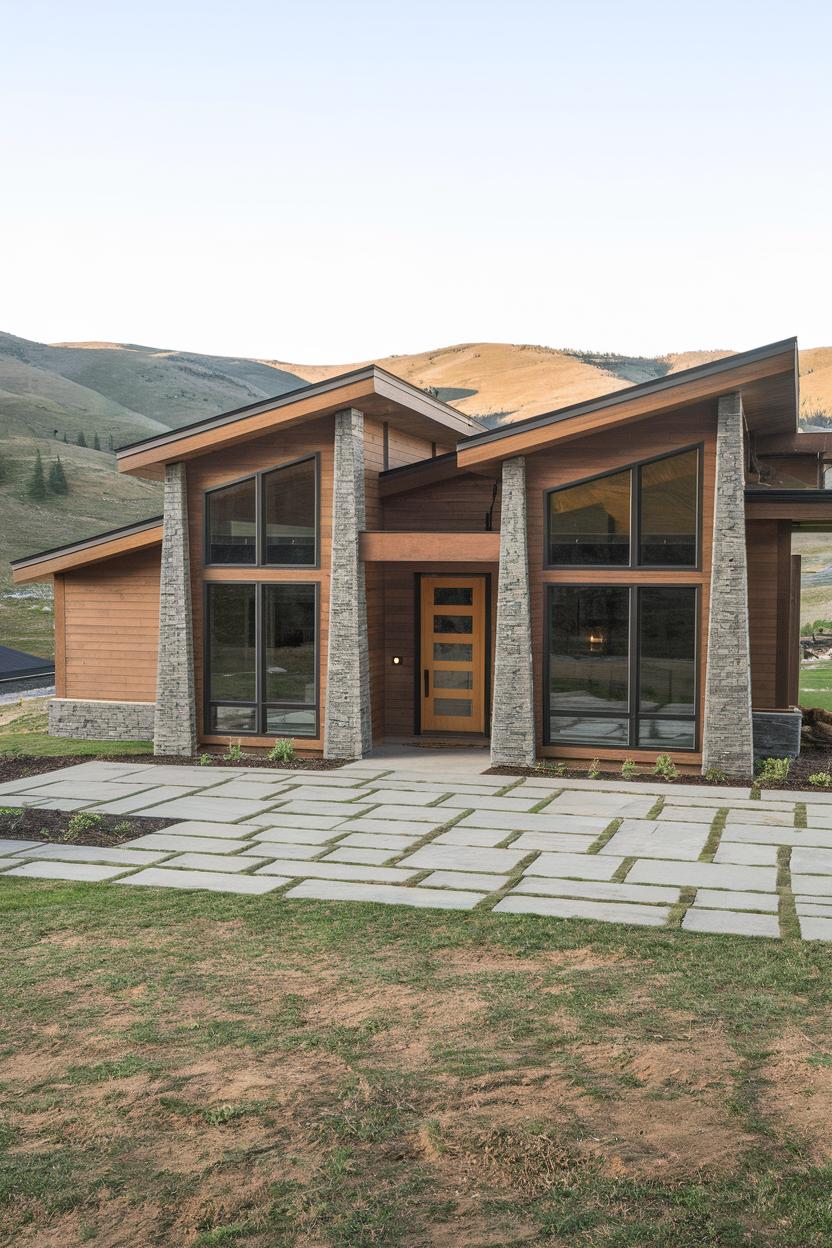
(632,713)
(634,469)
(260,705)
(260,516)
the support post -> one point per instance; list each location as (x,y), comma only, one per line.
(174,728)
(512,719)
(348,729)
(727,741)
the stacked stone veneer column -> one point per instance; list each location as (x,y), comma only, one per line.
(512,719)
(174,730)
(727,729)
(348,730)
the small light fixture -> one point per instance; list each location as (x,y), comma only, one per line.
(597,641)
(397,658)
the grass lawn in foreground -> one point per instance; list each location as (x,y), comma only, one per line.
(23,730)
(816,685)
(206,1069)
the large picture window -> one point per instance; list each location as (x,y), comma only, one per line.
(262,659)
(621,666)
(644,516)
(269,520)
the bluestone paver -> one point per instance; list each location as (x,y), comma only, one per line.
(462,858)
(212,881)
(759,834)
(147,797)
(182,844)
(214,809)
(743,853)
(374,840)
(536,823)
(424,898)
(358,854)
(271,849)
(476,880)
(811,861)
(815,928)
(277,819)
(107,855)
(465,801)
(397,827)
(812,885)
(201,827)
(337,871)
(771,818)
(730,922)
(716,899)
(611,805)
(578,908)
(329,795)
(582,866)
(253,790)
(412,814)
(294,836)
(13,845)
(553,842)
(647,838)
(82,872)
(595,890)
(215,862)
(403,797)
(815,906)
(703,875)
(325,809)
(88,791)
(485,838)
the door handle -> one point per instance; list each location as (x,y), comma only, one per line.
(427,683)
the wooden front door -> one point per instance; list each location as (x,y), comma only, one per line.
(453,645)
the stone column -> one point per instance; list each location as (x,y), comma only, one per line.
(348,729)
(727,730)
(512,719)
(174,730)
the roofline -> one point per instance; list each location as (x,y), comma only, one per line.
(403,470)
(767,494)
(88,542)
(712,369)
(366,372)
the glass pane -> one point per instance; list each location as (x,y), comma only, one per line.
(452,652)
(284,721)
(460,708)
(588,648)
(584,730)
(453,623)
(290,511)
(443,679)
(233,719)
(232,524)
(666,734)
(453,596)
(290,643)
(667,646)
(590,523)
(669,491)
(232,640)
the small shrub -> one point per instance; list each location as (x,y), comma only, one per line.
(715,775)
(773,770)
(629,771)
(234,753)
(665,767)
(122,829)
(821,780)
(551,769)
(80,824)
(594,769)
(206,760)
(11,811)
(282,751)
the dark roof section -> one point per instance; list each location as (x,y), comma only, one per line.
(16,664)
(771,494)
(404,470)
(137,527)
(712,369)
(291,396)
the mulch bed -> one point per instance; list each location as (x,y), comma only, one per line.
(33,824)
(19,766)
(811,760)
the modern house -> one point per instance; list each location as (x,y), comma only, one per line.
(355,562)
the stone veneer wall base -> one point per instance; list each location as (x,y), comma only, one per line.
(727,738)
(348,727)
(175,723)
(512,719)
(90,720)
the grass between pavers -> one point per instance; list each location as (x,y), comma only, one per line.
(194,1068)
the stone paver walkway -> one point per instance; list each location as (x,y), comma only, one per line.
(701,858)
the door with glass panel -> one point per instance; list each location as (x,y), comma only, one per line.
(453,644)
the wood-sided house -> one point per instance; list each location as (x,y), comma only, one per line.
(356,562)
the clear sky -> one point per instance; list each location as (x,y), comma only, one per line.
(324,181)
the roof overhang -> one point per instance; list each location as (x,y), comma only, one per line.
(767,378)
(123,541)
(375,392)
(807,508)
(423,472)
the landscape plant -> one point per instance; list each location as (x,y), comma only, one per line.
(234,753)
(715,775)
(821,780)
(665,767)
(206,760)
(773,771)
(79,824)
(629,770)
(594,769)
(282,751)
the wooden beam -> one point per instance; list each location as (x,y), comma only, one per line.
(391,547)
(42,569)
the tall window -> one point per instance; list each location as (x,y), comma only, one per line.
(268,520)
(261,659)
(622,666)
(645,516)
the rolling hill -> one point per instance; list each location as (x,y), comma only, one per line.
(119,392)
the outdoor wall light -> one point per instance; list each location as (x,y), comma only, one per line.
(397,658)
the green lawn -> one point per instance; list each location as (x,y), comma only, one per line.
(23,731)
(203,1069)
(816,685)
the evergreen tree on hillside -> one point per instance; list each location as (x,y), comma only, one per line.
(111,444)
(36,488)
(81,440)
(96,445)
(57,478)
(66,438)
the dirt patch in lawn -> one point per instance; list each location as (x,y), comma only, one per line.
(491,961)
(800,1096)
(67,828)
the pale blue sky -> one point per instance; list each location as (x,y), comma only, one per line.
(326,181)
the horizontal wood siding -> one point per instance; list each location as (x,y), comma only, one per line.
(460,504)
(605,452)
(110,632)
(227,465)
